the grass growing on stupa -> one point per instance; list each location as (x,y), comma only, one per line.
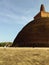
(24,56)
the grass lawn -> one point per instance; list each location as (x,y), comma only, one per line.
(24,56)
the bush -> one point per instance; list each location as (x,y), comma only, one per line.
(7,44)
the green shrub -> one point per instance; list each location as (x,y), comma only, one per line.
(7,44)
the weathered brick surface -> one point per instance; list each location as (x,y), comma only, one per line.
(35,33)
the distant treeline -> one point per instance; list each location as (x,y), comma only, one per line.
(5,44)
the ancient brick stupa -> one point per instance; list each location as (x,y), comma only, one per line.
(35,33)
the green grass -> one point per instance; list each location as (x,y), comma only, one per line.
(24,56)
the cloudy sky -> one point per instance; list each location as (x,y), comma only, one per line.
(15,14)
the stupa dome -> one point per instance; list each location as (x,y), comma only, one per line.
(35,33)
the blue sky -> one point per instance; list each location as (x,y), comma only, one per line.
(15,14)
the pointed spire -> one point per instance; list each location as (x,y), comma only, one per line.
(42,8)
